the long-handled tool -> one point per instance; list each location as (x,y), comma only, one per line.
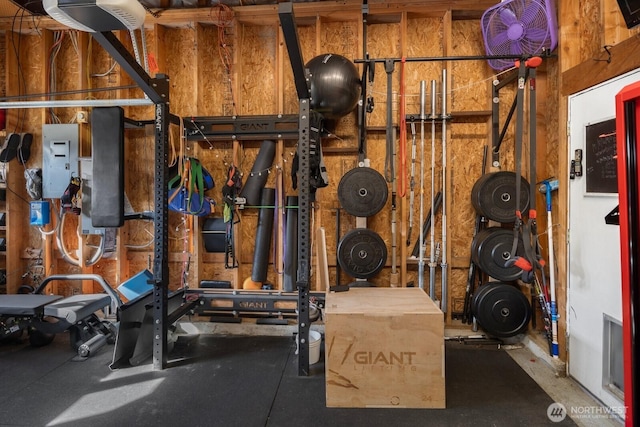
(423,89)
(390,174)
(443,263)
(412,180)
(543,301)
(394,276)
(432,258)
(548,187)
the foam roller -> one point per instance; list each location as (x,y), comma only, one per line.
(263,235)
(259,173)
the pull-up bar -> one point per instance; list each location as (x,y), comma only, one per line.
(451,58)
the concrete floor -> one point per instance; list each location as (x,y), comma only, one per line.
(547,374)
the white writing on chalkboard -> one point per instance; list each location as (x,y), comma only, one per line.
(601,168)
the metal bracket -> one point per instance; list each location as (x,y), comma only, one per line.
(225,128)
(154,88)
(290,32)
(497,135)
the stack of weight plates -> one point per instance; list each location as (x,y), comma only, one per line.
(362,192)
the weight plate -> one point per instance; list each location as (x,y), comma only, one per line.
(491,249)
(494,196)
(363,192)
(362,253)
(40,339)
(478,296)
(501,309)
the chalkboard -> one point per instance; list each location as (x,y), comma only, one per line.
(601,168)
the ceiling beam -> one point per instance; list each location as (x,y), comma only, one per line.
(621,58)
(267,14)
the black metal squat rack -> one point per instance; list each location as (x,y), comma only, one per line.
(157,89)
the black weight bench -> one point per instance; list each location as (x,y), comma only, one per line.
(77,307)
(43,316)
(25,304)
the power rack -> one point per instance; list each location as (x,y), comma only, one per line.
(157,89)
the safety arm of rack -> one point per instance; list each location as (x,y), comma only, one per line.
(184,308)
(123,57)
(290,32)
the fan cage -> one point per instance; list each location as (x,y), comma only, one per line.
(518,27)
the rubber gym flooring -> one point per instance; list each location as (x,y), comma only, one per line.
(245,381)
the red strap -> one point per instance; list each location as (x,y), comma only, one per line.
(523,264)
(232,171)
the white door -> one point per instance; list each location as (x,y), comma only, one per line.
(594,298)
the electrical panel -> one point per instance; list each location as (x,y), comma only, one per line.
(59,158)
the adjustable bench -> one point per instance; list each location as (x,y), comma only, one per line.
(43,316)
(77,307)
(25,304)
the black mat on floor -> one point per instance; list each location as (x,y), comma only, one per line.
(225,382)
(245,381)
(484,387)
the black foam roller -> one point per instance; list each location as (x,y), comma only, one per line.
(107,149)
(291,245)
(263,235)
(259,173)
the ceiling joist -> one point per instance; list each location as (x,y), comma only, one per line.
(267,14)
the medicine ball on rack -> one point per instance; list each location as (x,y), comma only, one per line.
(335,85)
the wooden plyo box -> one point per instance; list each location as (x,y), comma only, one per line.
(384,348)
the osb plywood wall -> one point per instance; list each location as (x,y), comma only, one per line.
(244,69)
(222,66)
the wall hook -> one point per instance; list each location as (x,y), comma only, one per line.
(606,48)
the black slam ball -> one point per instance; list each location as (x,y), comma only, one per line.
(335,85)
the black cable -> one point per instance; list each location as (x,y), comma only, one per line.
(16,50)
(67,92)
(18,196)
(10,189)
